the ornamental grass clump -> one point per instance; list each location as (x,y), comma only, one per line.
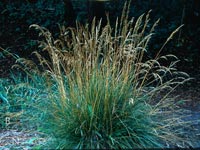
(101,91)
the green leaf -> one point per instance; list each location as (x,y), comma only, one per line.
(90,111)
(4,99)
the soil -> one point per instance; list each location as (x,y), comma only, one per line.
(10,139)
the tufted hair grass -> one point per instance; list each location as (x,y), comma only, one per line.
(101,93)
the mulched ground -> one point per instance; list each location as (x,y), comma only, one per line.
(20,139)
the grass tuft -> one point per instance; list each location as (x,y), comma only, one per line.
(97,90)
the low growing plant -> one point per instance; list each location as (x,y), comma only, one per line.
(101,93)
(16,92)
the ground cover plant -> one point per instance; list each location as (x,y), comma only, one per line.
(96,90)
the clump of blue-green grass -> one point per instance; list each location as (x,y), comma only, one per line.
(96,91)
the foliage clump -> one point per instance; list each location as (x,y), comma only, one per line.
(101,93)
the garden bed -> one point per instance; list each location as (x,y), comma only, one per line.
(33,139)
(22,139)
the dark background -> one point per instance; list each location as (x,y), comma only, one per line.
(17,15)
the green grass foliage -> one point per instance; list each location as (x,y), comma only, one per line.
(96,90)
